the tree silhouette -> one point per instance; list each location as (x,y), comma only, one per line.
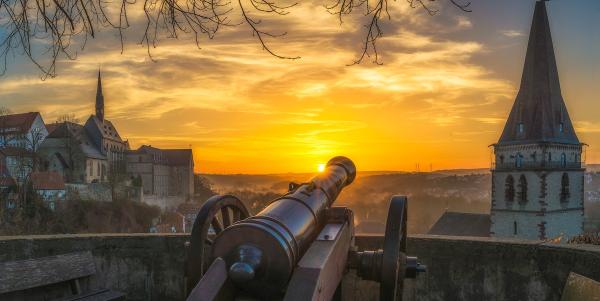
(46,30)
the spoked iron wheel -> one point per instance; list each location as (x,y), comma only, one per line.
(393,268)
(218,213)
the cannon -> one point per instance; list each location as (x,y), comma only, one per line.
(297,248)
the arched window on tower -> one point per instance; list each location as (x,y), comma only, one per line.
(565,192)
(522,194)
(563,160)
(519,160)
(509,189)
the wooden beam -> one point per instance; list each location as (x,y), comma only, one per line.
(214,284)
(25,274)
(320,271)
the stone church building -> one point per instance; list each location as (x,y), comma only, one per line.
(538,173)
(85,153)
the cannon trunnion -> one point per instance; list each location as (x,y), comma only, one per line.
(297,248)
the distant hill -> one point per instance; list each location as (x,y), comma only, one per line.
(473,171)
(430,194)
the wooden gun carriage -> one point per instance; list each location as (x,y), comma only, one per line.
(297,248)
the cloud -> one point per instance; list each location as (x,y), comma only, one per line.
(512,33)
(587,127)
(237,106)
(463,22)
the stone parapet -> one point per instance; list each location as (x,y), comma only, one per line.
(150,266)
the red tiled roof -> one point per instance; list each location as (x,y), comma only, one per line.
(51,127)
(18,123)
(6,181)
(48,180)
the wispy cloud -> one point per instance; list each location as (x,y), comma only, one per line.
(512,33)
(240,108)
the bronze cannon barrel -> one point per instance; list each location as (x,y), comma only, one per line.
(262,251)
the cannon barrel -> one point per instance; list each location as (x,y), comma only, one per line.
(262,251)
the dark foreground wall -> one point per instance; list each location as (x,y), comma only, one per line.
(150,267)
(145,266)
(490,269)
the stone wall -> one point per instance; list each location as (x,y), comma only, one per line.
(461,268)
(99,192)
(150,267)
(145,266)
(163,202)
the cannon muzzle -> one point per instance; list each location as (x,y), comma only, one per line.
(262,251)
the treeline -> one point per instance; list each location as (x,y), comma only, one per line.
(77,216)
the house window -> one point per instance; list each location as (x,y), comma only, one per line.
(561,127)
(515,230)
(563,160)
(509,189)
(564,188)
(52,206)
(522,189)
(521,128)
(98,171)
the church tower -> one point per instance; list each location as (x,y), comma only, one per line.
(99,99)
(538,173)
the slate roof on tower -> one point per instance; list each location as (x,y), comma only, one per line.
(97,126)
(539,113)
(99,99)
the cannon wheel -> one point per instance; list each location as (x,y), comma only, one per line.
(393,268)
(218,213)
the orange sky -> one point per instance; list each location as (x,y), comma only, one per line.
(440,98)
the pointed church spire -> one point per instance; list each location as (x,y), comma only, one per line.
(99,99)
(539,113)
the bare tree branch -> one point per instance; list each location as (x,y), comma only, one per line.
(46,30)
(375,10)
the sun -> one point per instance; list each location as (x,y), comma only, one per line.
(321,167)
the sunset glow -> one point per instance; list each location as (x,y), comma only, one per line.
(440,98)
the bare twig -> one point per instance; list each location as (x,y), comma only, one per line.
(46,30)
